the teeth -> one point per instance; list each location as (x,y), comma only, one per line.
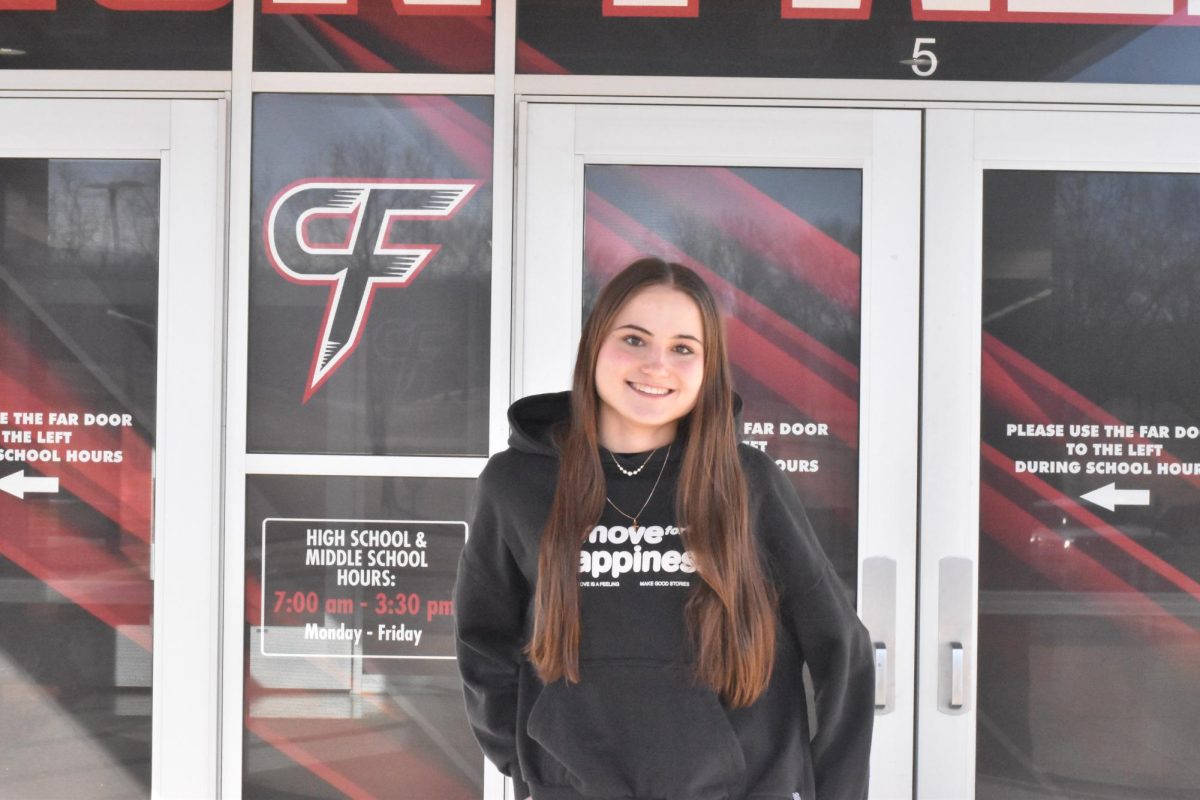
(641,387)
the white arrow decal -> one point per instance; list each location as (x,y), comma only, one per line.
(1110,497)
(18,485)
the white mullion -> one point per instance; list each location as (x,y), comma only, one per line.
(371,83)
(188,456)
(89,153)
(495,785)
(233,557)
(869,92)
(888,410)
(503,222)
(75,80)
(950,431)
(363,466)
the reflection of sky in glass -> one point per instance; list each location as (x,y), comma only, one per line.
(311,129)
(830,199)
(93,204)
(1157,55)
(99,301)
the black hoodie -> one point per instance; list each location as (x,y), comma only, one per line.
(637,725)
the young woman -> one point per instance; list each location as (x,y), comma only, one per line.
(639,592)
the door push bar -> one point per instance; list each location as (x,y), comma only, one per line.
(878,612)
(956,621)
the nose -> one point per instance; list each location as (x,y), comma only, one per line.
(655,362)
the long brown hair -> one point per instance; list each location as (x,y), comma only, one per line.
(731,611)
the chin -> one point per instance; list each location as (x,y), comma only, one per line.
(653,421)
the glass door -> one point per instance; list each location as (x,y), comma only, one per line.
(1060,646)
(805,223)
(110,278)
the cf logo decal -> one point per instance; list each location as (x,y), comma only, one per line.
(337,233)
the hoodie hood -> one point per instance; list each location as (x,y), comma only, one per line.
(532,421)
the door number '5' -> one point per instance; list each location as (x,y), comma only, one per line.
(924,63)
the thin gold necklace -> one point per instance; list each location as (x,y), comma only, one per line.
(653,489)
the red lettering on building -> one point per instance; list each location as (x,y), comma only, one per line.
(651,8)
(445,8)
(826,9)
(120,5)
(456,8)
(349,7)
(1070,12)
(28,5)
(163,5)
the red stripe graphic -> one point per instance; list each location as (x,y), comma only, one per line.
(288,743)
(110,583)
(108,576)
(1011,527)
(468,137)
(1071,507)
(119,492)
(1016,381)
(1000,388)
(448,118)
(363,758)
(452,44)
(531,61)
(779,235)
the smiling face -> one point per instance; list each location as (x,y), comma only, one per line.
(649,369)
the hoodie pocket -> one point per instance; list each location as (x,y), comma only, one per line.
(636,729)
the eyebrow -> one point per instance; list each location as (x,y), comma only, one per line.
(648,333)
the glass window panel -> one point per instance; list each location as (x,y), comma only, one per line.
(352,689)
(78,337)
(781,248)
(116,34)
(1089,608)
(370,285)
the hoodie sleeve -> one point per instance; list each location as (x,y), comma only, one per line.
(490,597)
(834,643)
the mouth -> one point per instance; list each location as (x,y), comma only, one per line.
(646,390)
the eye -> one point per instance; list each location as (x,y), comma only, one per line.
(684,349)
(632,339)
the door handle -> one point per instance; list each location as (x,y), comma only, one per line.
(879,615)
(956,581)
(881,675)
(956,675)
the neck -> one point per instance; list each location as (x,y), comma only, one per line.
(623,439)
